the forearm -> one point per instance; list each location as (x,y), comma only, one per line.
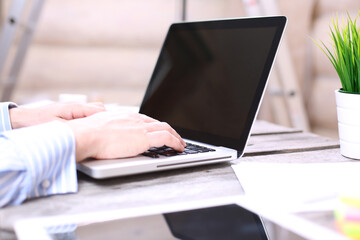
(36,161)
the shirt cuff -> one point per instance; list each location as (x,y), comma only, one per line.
(48,152)
(5,123)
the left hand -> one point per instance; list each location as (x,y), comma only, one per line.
(25,117)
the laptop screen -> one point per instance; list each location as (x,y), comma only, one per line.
(210,77)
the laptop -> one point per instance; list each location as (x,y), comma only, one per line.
(208,83)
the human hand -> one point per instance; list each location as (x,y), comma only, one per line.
(25,117)
(113,134)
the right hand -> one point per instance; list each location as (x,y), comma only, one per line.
(112,134)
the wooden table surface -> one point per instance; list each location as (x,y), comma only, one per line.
(268,143)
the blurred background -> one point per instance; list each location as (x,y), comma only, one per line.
(107,50)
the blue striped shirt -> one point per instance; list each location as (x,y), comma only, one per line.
(35,161)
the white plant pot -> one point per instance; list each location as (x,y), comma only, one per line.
(348,113)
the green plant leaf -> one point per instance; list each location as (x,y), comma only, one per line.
(345,54)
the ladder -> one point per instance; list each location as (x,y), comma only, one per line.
(286,100)
(11,25)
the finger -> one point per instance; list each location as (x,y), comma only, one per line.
(161,138)
(146,118)
(162,126)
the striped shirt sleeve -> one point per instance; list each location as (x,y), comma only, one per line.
(36,161)
(5,124)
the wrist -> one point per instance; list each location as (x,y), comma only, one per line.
(83,139)
(25,117)
(16,118)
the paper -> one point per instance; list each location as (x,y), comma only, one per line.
(297,187)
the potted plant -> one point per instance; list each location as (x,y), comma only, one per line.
(345,58)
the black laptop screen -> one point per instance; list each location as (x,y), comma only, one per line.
(210,77)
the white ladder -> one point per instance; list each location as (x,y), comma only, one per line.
(287,104)
(10,28)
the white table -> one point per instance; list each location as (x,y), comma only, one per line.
(269,142)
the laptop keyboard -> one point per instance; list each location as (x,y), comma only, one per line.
(169,152)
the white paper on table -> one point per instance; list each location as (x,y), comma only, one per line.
(297,187)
